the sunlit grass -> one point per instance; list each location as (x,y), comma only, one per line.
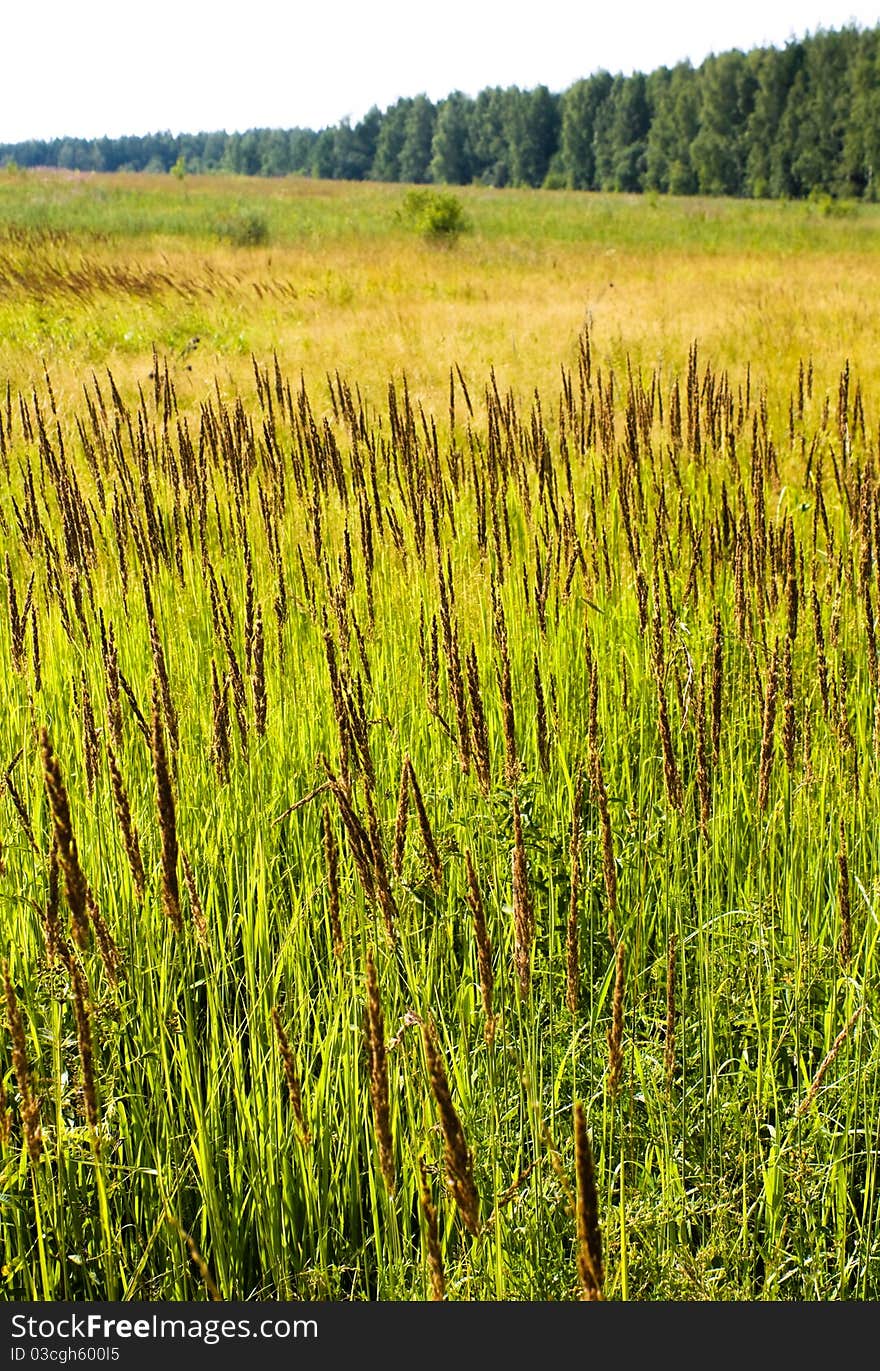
(737,1157)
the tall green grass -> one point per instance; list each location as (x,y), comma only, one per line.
(297,210)
(735,1160)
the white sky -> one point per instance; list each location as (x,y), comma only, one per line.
(93,67)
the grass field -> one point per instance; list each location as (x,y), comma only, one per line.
(439,746)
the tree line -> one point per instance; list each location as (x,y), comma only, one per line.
(771,122)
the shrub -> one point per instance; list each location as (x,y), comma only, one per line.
(244,229)
(436,214)
(829,206)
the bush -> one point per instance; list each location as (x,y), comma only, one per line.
(244,229)
(829,206)
(437,215)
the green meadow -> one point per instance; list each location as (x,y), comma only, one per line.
(439,745)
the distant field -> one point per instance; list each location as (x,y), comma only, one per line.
(96,270)
(439,746)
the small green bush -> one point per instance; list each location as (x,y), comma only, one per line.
(437,215)
(829,206)
(244,229)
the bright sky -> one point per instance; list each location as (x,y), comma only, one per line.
(93,67)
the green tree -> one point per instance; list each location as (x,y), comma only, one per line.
(530,122)
(243,153)
(674,101)
(451,157)
(347,162)
(274,153)
(389,142)
(580,106)
(766,166)
(366,138)
(861,143)
(817,114)
(490,150)
(719,151)
(301,144)
(418,135)
(213,148)
(323,158)
(621,133)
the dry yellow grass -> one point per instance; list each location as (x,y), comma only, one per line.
(342,284)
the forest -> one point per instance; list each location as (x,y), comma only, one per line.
(769,123)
